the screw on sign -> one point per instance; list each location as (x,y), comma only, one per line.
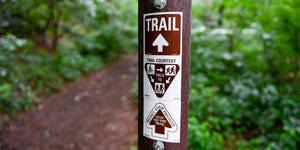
(164,49)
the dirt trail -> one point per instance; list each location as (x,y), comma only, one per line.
(96,113)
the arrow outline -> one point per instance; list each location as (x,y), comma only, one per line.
(168,117)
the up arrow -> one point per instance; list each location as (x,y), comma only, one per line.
(160,122)
(160,41)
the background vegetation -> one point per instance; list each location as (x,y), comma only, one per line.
(44,44)
(245,69)
(245,75)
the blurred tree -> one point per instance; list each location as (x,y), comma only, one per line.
(42,21)
(45,43)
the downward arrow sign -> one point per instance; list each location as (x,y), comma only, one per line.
(160,41)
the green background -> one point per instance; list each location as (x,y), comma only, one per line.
(245,62)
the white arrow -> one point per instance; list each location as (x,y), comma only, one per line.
(160,70)
(152,80)
(160,41)
(168,81)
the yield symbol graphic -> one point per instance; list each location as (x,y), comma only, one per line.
(160,41)
(160,121)
(161,76)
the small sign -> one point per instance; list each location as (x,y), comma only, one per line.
(162,33)
(162,121)
(161,76)
(162,38)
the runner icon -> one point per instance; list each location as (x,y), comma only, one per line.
(170,70)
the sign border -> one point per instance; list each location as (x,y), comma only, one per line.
(163,13)
(156,100)
(177,57)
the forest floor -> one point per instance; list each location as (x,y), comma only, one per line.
(95,113)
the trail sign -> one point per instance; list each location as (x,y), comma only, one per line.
(164,55)
(161,76)
(163,33)
(161,120)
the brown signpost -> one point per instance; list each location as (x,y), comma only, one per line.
(164,61)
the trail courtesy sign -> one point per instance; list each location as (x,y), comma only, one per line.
(162,38)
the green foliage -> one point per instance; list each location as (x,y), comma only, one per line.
(15,98)
(15,95)
(44,44)
(201,136)
(23,69)
(117,34)
(245,75)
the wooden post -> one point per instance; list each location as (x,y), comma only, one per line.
(164,61)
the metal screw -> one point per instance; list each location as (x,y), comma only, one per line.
(158,145)
(159,4)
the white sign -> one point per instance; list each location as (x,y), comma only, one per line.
(162,38)
(162,120)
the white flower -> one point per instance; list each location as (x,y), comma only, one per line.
(227,56)
(90,5)
(220,31)
(3,73)
(199,30)
(249,31)
(267,36)
(20,42)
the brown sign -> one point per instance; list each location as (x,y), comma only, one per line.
(162,34)
(160,122)
(161,76)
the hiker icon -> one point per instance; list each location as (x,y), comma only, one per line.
(151,69)
(170,70)
(160,88)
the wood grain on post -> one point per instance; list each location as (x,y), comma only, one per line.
(182,7)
